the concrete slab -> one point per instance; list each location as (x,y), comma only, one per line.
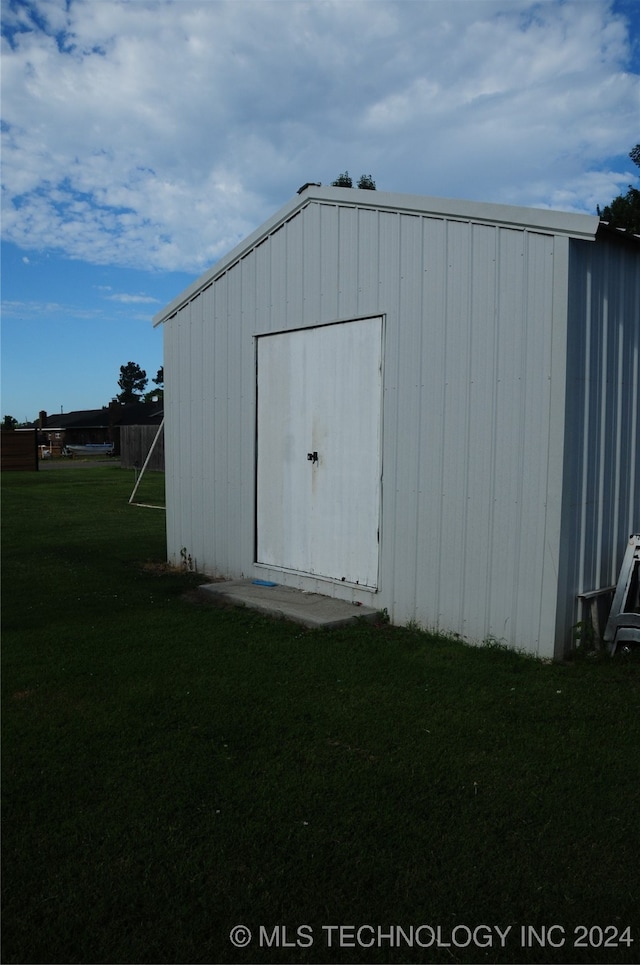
(310,609)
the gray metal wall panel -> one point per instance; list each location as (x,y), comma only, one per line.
(348,263)
(431,431)
(279,254)
(368,260)
(175,334)
(311,235)
(402,444)
(295,273)
(202,521)
(196,430)
(602,457)
(327,269)
(467,407)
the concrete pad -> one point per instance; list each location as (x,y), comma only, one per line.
(310,609)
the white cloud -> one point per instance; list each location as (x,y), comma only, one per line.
(41,310)
(158,134)
(133,299)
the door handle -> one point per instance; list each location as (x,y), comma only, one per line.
(312,456)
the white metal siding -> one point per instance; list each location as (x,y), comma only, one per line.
(473,406)
(467,413)
(602,457)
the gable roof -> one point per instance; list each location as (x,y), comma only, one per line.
(82,419)
(543,220)
(131,413)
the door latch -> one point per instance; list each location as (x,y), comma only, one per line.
(312,456)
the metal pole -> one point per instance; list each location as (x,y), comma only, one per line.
(153,445)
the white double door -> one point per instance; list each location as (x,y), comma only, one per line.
(319,450)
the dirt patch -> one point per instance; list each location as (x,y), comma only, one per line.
(161,569)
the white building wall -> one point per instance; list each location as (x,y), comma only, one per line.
(472,435)
(467,418)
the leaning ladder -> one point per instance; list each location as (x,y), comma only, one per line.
(623,625)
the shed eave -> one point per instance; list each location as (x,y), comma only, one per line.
(543,220)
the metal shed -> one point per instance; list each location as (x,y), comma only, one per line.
(425,405)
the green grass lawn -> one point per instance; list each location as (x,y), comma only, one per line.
(172,770)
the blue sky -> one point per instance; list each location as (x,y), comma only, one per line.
(142,140)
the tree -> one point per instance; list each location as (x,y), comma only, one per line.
(624,211)
(156,395)
(9,422)
(132,381)
(345,180)
(342,181)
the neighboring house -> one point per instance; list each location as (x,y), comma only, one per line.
(94,426)
(424,405)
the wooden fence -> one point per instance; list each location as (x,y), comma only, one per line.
(135,442)
(19,450)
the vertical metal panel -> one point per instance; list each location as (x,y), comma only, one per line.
(202,522)
(403,443)
(173,334)
(601,504)
(542,435)
(455,415)
(479,504)
(278,291)
(196,429)
(368,259)
(387,292)
(244,529)
(328,263)
(311,235)
(220,484)
(347,262)
(431,533)
(295,272)
(238,486)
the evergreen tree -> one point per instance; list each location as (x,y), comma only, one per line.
(343,181)
(624,211)
(132,381)
(156,395)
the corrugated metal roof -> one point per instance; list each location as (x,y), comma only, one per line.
(543,220)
